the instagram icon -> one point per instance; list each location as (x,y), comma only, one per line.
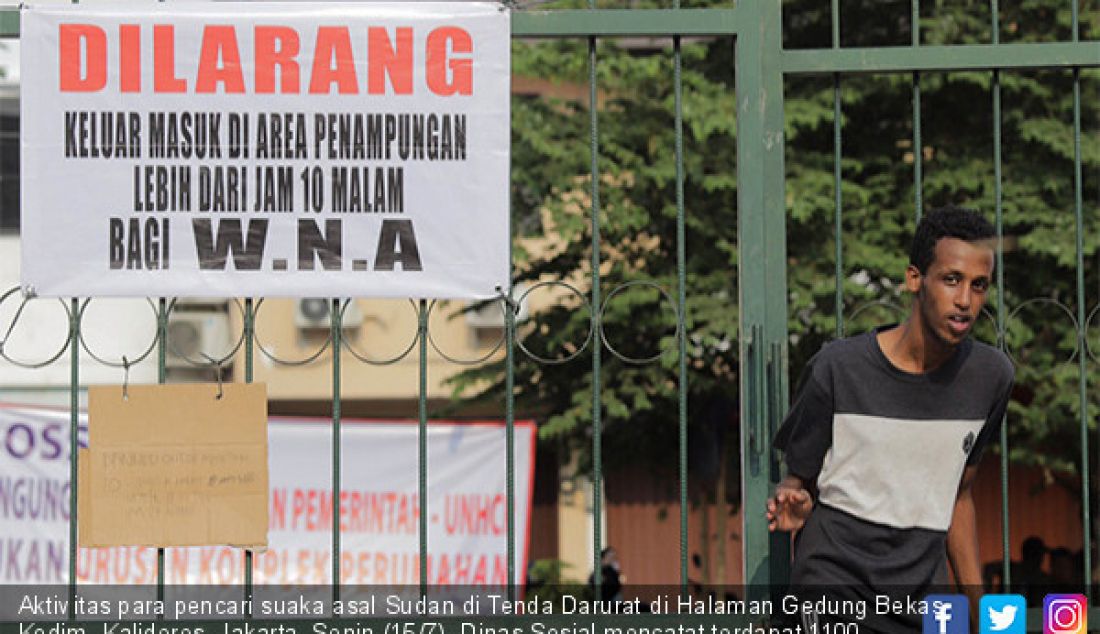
(1065,614)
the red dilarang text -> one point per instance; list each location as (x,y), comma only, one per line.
(83,53)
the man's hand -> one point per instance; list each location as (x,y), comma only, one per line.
(789,508)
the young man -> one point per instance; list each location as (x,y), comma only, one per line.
(883,440)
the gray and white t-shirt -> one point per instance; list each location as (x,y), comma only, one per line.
(887,449)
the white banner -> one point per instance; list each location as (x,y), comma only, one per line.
(265,149)
(379,507)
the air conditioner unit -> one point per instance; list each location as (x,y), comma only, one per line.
(194,336)
(313,314)
(491,314)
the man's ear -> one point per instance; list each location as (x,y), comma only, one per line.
(912,279)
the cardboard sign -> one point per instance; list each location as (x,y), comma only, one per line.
(175,465)
(278,149)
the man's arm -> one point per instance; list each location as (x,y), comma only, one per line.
(962,543)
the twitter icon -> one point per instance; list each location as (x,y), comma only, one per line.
(1003,613)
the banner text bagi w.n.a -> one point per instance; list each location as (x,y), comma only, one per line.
(265,149)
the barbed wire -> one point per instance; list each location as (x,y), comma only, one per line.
(275,359)
(603,311)
(573,298)
(28,365)
(521,344)
(350,347)
(126,362)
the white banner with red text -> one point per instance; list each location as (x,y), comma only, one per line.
(379,514)
(265,149)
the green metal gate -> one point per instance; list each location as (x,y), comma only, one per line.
(755,29)
(762,66)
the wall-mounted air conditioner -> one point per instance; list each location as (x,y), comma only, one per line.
(195,335)
(313,314)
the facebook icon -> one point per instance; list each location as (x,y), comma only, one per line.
(946,614)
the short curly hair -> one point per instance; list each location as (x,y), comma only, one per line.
(946,222)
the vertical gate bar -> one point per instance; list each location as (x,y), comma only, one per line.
(838,198)
(336,320)
(1082,354)
(249,333)
(838,228)
(74,443)
(510,413)
(681,307)
(995,17)
(918,178)
(74,424)
(597,424)
(918,157)
(1006,546)
(1082,366)
(510,427)
(914,24)
(762,283)
(998,193)
(834,14)
(249,343)
(162,377)
(422,444)
(1074,13)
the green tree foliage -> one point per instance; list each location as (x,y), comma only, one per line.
(637,179)
(637,195)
